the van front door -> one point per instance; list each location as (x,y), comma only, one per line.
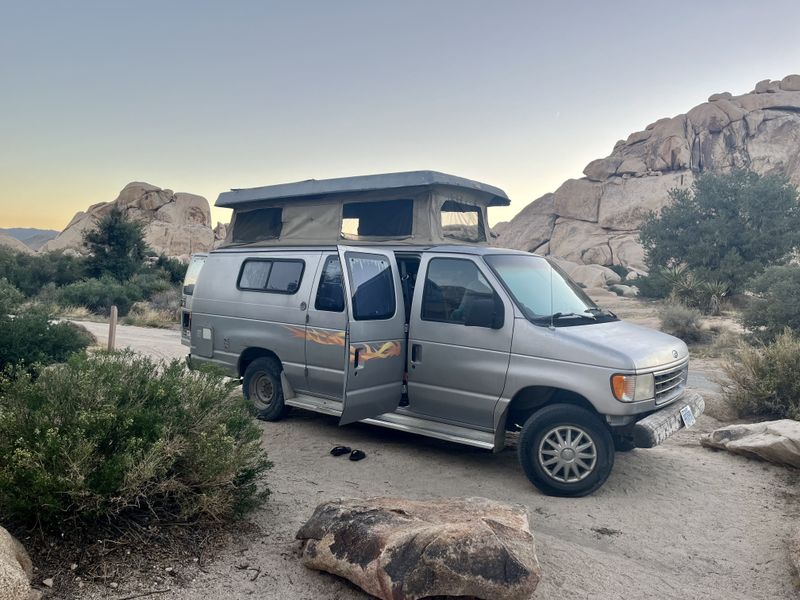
(460,335)
(375,344)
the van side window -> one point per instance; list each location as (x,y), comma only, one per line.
(373,286)
(452,286)
(330,293)
(276,276)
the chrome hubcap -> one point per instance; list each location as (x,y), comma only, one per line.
(262,391)
(567,454)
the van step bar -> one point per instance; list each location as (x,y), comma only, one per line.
(401,422)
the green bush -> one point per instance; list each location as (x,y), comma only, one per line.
(99,295)
(775,304)
(683,322)
(764,382)
(30,339)
(113,437)
(728,227)
(151,282)
(10,296)
(31,272)
(653,285)
(174,269)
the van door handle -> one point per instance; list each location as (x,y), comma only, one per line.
(356,356)
(416,354)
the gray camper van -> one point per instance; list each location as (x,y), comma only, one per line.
(379,299)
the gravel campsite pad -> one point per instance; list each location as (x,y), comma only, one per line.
(678,520)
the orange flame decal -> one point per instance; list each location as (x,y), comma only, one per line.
(337,338)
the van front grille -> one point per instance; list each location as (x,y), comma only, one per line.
(670,384)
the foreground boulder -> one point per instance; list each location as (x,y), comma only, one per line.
(774,441)
(16,570)
(399,549)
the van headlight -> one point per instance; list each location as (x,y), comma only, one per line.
(633,388)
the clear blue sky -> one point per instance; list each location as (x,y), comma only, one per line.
(203,96)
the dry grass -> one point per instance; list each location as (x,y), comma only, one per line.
(763,382)
(142,314)
(723,344)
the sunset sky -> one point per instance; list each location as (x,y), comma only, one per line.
(204,96)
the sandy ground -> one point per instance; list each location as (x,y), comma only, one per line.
(677,521)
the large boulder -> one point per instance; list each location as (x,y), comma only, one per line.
(588,276)
(7,241)
(532,227)
(175,224)
(16,570)
(398,549)
(759,130)
(625,202)
(578,199)
(774,441)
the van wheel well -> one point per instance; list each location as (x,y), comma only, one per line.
(531,399)
(252,354)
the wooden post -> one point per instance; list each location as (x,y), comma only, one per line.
(112,329)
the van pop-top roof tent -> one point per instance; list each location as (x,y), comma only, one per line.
(416,207)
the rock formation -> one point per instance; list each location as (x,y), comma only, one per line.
(596,219)
(6,241)
(399,549)
(176,224)
(16,570)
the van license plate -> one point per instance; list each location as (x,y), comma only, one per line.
(687,416)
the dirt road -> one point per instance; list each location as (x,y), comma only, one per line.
(677,521)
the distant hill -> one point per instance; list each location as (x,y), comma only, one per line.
(32,238)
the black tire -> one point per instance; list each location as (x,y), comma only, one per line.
(578,475)
(261,385)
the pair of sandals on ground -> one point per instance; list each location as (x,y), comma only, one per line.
(354,454)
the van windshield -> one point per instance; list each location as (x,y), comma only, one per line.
(544,292)
(192,273)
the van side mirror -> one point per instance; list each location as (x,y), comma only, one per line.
(485,312)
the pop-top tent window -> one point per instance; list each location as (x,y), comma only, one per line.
(462,222)
(390,218)
(412,208)
(257,225)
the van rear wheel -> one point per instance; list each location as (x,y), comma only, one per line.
(566,450)
(261,385)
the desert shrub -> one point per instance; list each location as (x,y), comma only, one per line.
(653,285)
(151,282)
(116,437)
(774,304)
(174,269)
(167,300)
(30,272)
(10,296)
(764,381)
(30,339)
(728,227)
(99,295)
(683,322)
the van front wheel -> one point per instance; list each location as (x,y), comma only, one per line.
(566,450)
(262,387)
